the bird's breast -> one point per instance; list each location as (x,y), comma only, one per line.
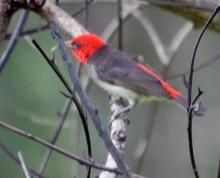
(116,89)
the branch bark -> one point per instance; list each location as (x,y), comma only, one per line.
(6,12)
(68,24)
(197,11)
(118,134)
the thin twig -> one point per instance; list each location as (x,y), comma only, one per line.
(93,112)
(117,132)
(190,81)
(120,25)
(196,69)
(74,98)
(151,31)
(83,8)
(29,31)
(190,142)
(194,55)
(179,38)
(13,40)
(58,150)
(197,5)
(46,26)
(63,117)
(118,126)
(86,14)
(218,169)
(55,148)
(190,138)
(86,24)
(23,165)
(110,29)
(13,157)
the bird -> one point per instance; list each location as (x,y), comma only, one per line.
(123,74)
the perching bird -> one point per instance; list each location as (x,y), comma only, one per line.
(122,74)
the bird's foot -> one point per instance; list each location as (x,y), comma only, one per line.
(120,115)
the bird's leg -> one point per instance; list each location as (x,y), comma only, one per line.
(131,104)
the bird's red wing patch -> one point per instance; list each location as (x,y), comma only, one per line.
(173,92)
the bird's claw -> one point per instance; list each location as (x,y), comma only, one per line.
(119,115)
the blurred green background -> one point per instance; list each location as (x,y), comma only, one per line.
(30,100)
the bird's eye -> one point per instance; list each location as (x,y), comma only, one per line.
(76,44)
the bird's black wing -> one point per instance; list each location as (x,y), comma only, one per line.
(121,69)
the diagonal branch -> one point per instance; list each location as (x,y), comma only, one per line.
(74,98)
(58,150)
(68,24)
(190,108)
(6,12)
(197,11)
(23,165)
(13,157)
(13,40)
(93,112)
(54,147)
(63,117)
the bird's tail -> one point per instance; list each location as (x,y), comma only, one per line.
(199,108)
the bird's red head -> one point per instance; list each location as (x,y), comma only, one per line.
(85,46)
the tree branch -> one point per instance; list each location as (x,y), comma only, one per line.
(118,133)
(54,13)
(23,165)
(93,112)
(13,40)
(197,11)
(15,159)
(6,12)
(54,147)
(62,118)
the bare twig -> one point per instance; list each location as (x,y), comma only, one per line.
(118,133)
(86,14)
(218,170)
(196,69)
(74,98)
(193,10)
(53,13)
(13,41)
(63,117)
(190,103)
(30,31)
(54,147)
(120,25)
(13,157)
(58,150)
(149,28)
(194,55)
(46,26)
(144,142)
(178,39)
(128,8)
(198,5)
(6,12)
(23,165)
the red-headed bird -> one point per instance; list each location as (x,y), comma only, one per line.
(122,74)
